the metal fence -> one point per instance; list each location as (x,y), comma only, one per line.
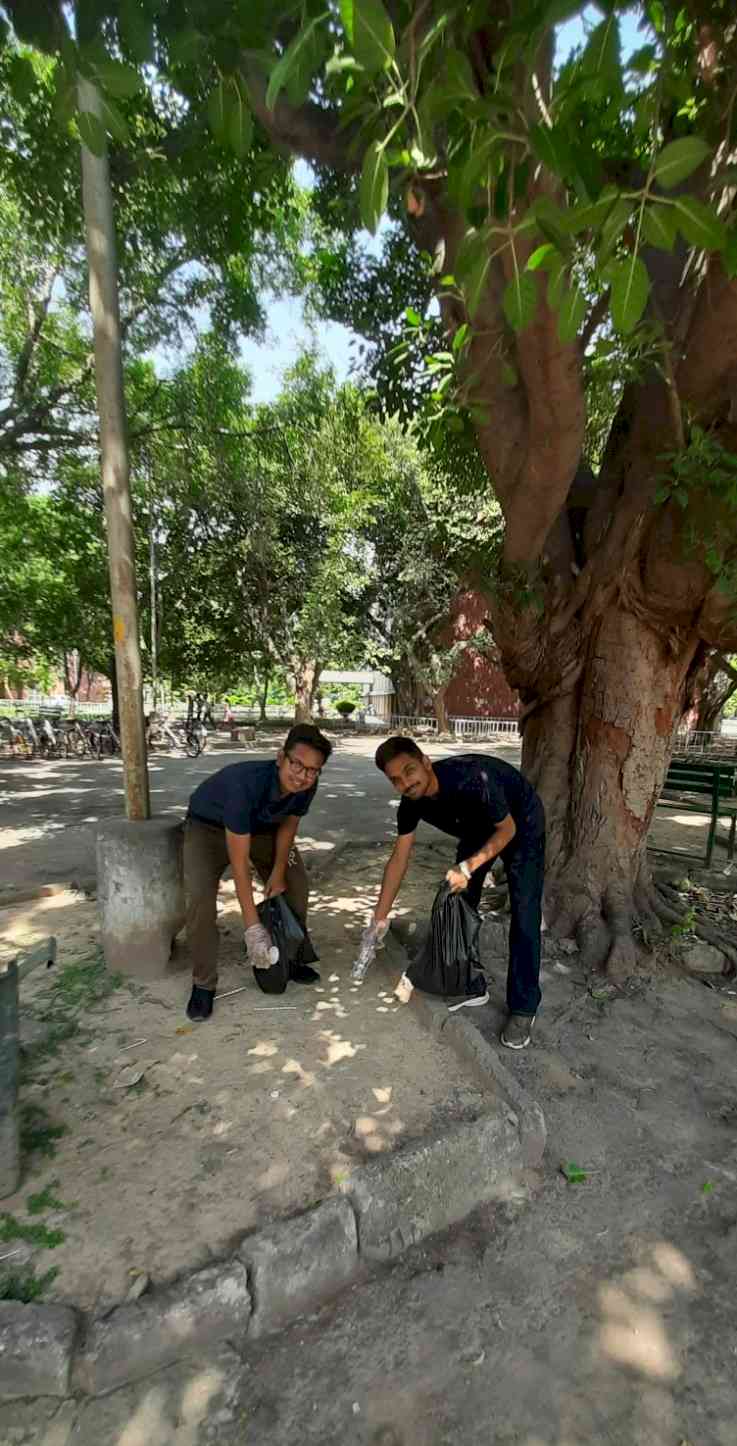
(465,729)
(695,742)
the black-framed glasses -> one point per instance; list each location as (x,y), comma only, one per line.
(303,768)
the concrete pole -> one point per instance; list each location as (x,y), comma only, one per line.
(103,272)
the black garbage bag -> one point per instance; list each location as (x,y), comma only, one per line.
(289,937)
(448,960)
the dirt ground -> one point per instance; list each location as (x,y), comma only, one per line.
(596,1311)
(177,1138)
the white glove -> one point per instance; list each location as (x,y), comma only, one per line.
(259,948)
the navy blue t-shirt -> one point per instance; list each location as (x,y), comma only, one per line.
(475,793)
(245,798)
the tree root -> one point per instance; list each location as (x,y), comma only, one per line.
(671,915)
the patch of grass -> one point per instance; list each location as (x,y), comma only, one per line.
(76,988)
(38,1235)
(686,924)
(26,1286)
(37,1133)
(45,1200)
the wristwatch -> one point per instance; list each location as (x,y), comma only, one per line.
(465,870)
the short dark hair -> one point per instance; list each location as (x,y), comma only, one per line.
(393,748)
(308,733)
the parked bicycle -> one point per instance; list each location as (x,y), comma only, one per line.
(18,737)
(191,736)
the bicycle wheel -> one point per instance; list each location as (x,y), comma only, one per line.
(192,746)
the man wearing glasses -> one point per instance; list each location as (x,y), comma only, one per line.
(248,814)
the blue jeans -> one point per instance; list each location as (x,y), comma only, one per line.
(524,866)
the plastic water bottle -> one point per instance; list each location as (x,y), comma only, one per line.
(370,942)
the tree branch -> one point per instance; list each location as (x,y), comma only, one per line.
(306,130)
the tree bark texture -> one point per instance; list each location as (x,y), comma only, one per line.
(306,679)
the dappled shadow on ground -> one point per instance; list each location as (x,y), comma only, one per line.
(180,1137)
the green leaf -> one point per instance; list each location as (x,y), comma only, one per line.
(552,148)
(64,104)
(459,340)
(519,301)
(92,132)
(573,1173)
(630,290)
(374,187)
(679,159)
(659,226)
(413,317)
(113,120)
(117,79)
(22,78)
(591,215)
(459,83)
(699,224)
(541,257)
(288,63)
(369,32)
(571,314)
(239,123)
(217,113)
(475,278)
(613,226)
(601,56)
(136,31)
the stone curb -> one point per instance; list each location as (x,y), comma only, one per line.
(36,1349)
(432,1184)
(296,1265)
(463,1036)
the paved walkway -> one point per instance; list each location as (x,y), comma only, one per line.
(48,811)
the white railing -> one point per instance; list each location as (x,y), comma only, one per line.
(694,741)
(485,727)
(463,728)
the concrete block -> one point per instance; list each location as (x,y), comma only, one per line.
(140,893)
(36,1346)
(182,1320)
(296,1265)
(426,1187)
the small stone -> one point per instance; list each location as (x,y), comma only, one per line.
(139,1287)
(702,958)
(128,1077)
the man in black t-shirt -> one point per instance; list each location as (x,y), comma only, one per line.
(248,814)
(494,812)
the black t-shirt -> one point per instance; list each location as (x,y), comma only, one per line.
(475,793)
(245,798)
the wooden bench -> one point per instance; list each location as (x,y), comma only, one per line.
(707,788)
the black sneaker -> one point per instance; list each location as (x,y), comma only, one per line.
(478,995)
(517,1031)
(302,974)
(200,1003)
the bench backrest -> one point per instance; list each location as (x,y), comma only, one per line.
(702,778)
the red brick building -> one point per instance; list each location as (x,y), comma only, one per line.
(478,689)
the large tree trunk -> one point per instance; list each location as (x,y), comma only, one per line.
(440,709)
(598,756)
(716,685)
(306,679)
